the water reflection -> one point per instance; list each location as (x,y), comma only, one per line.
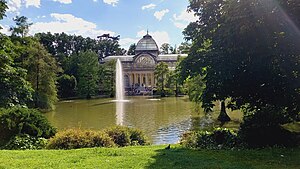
(163,120)
(120,113)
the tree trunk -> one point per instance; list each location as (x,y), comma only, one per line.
(162,87)
(223,117)
(176,90)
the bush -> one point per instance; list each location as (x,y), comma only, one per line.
(18,121)
(219,138)
(263,128)
(76,138)
(125,136)
(25,142)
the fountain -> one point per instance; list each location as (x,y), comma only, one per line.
(119,82)
(119,94)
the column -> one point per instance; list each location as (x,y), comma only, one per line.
(146,78)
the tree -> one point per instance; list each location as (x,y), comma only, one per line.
(165,48)
(66,86)
(42,71)
(184,48)
(247,51)
(22,26)
(88,68)
(14,89)
(174,80)
(107,76)
(161,73)
(131,50)
(3,8)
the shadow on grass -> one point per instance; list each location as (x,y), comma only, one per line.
(210,159)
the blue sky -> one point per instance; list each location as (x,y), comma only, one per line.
(165,19)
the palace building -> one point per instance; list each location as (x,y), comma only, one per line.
(139,68)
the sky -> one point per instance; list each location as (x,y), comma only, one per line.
(165,19)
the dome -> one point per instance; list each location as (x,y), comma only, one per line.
(147,43)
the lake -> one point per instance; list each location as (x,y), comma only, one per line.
(163,120)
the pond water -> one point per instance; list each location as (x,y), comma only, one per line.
(163,120)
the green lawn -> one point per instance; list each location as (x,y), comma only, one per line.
(151,157)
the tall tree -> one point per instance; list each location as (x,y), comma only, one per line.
(161,72)
(14,89)
(88,68)
(165,48)
(22,26)
(3,7)
(42,74)
(107,77)
(131,50)
(247,51)
(184,48)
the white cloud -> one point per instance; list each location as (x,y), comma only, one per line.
(111,2)
(63,1)
(185,16)
(35,3)
(69,24)
(149,6)
(160,37)
(183,19)
(126,42)
(5,29)
(14,5)
(160,14)
(180,25)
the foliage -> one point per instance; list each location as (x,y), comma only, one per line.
(66,86)
(16,121)
(262,128)
(67,48)
(131,50)
(161,72)
(125,136)
(167,49)
(174,81)
(219,138)
(88,68)
(63,46)
(41,66)
(43,70)
(25,142)
(22,26)
(194,87)
(3,7)
(14,88)
(76,138)
(184,48)
(107,77)
(247,51)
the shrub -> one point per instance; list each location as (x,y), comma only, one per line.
(219,138)
(137,137)
(125,136)
(76,138)
(25,142)
(263,128)
(18,121)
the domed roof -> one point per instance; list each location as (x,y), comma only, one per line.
(147,43)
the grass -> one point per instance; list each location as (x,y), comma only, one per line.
(151,157)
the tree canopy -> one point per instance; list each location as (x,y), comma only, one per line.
(247,51)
